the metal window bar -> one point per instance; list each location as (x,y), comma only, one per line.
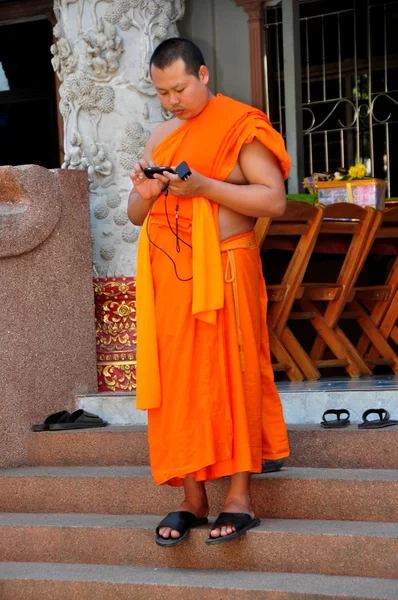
(359,82)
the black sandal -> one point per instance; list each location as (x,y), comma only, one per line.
(80,419)
(181,521)
(383,421)
(241,521)
(335,423)
(59,417)
(272,466)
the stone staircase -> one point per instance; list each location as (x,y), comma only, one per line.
(78,523)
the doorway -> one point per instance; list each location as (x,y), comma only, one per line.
(28,106)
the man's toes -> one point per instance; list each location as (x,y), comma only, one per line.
(175,534)
(215,533)
(164,532)
(227,530)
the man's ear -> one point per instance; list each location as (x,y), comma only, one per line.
(204,74)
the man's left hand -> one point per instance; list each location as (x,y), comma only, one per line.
(190,188)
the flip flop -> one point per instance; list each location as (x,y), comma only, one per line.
(241,521)
(383,421)
(80,419)
(181,521)
(271,466)
(59,417)
(335,423)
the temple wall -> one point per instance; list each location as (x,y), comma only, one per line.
(220,29)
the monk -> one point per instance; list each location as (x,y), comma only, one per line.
(203,362)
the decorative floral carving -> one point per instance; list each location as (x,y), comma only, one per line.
(107,252)
(154,19)
(132,147)
(78,92)
(88,57)
(101,210)
(130,234)
(120,217)
(114,201)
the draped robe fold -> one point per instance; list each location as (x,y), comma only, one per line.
(203,365)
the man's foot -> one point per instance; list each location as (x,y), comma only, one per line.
(233,505)
(195,502)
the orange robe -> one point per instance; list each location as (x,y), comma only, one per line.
(203,364)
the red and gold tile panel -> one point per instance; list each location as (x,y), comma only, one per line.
(115,318)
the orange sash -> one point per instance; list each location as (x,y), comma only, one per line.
(210,143)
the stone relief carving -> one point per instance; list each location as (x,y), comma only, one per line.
(103,52)
(64,62)
(101,210)
(132,147)
(75,158)
(155,20)
(113,201)
(120,217)
(130,234)
(78,92)
(107,252)
(92,39)
(100,171)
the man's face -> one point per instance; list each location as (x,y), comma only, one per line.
(182,94)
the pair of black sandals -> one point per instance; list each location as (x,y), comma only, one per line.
(343,419)
(183,521)
(64,421)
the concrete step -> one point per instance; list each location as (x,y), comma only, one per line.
(311,446)
(295,546)
(38,581)
(336,494)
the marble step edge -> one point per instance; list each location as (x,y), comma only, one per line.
(287,473)
(119,582)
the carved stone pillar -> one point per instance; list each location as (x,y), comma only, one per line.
(101,55)
(254,9)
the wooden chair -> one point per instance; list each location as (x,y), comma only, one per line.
(375,307)
(296,230)
(323,303)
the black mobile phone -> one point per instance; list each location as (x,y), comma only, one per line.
(151,171)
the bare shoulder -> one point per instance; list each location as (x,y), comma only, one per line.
(161,132)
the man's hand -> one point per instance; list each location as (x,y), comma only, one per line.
(146,188)
(191,188)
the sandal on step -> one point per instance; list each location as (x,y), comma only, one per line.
(181,521)
(335,423)
(272,466)
(383,421)
(59,417)
(80,419)
(241,521)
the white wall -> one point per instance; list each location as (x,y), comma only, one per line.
(220,29)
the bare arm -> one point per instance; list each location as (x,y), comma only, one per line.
(264,196)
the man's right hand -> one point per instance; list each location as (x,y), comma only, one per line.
(148,189)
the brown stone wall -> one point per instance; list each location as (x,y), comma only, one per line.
(47,326)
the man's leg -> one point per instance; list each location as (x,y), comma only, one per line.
(195,501)
(238,501)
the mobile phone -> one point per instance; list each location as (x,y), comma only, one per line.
(151,171)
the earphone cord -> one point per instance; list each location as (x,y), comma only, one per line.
(165,191)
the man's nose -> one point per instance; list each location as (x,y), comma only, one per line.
(173,100)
